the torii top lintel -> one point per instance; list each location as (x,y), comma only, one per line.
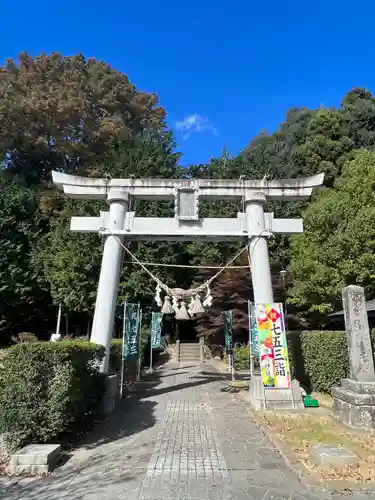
(153,189)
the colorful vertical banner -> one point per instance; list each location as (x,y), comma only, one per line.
(253,330)
(156,320)
(228,326)
(274,362)
(132,328)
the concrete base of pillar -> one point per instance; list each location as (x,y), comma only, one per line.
(274,399)
(112,393)
(354,403)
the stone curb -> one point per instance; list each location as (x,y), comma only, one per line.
(311,480)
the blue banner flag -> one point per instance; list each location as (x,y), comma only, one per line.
(156,320)
(253,330)
(132,326)
(228,325)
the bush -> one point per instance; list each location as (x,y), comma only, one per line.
(115,358)
(319,360)
(48,388)
(241,358)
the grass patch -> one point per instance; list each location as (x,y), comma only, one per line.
(325,400)
(316,426)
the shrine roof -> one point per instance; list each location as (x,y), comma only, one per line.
(370,306)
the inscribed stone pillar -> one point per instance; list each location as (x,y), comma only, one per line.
(354,400)
(361,359)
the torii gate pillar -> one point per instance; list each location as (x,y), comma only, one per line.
(260,264)
(109,279)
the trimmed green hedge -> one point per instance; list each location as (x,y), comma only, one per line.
(115,358)
(47,389)
(318,359)
(53,389)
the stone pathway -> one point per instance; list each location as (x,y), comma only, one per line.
(183,438)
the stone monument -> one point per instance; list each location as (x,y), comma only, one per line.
(354,400)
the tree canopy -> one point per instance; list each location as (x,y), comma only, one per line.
(60,112)
(81,116)
(338,246)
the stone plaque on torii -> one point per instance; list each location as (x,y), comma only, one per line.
(117,225)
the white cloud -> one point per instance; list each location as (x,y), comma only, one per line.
(195,123)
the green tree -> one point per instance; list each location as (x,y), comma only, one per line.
(70,263)
(66,114)
(60,112)
(21,225)
(326,145)
(338,245)
(359,109)
(273,155)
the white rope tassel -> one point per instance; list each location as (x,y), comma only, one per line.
(196,306)
(157,296)
(208,299)
(167,306)
(182,313)
(175,304)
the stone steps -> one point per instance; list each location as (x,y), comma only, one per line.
(189,352)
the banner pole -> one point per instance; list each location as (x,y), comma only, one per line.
(232,348)
(123,354)
(251,360)
(139,345)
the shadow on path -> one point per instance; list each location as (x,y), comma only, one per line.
(100,468)
(115,483)
(136,412)
(131,416)
(125,421)
(196,380)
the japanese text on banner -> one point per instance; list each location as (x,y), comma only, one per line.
(156,321)
(274,360)
(228,325)
(132,330)
(253,330)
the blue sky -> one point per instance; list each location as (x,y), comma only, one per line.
(223,71)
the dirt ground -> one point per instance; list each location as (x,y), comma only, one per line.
(302,430)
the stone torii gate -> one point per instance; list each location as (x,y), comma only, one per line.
(254,225)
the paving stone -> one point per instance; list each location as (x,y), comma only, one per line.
(333,456)
(181,439)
